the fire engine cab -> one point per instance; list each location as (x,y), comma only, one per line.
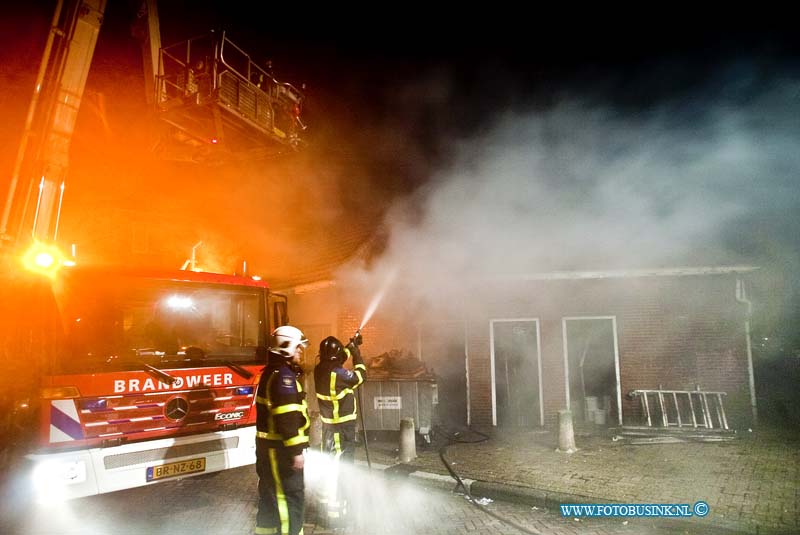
(136,376)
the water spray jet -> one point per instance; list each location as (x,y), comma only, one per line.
(357,340)
(377,298)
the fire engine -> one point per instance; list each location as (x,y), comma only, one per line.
(116,378)
(135,376)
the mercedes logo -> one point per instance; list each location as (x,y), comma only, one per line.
(177,408)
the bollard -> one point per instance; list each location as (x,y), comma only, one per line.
(408,440)
(566,436)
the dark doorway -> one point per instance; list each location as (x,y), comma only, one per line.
(441,348)
(516,372)
(591,353)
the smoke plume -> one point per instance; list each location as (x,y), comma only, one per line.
(705,177)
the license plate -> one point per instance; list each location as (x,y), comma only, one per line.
(176,469)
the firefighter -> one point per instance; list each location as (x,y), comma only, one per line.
(282,422)
(335,386)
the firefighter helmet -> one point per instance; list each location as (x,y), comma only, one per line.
(286,339)
(331,350)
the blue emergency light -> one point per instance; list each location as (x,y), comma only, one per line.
(94,405)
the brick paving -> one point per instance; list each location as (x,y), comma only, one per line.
(752,484)
(225,503)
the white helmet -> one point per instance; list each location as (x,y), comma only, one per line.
(286,338)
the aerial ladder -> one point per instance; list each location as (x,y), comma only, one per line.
(212,99)
(33,205)
(30,217)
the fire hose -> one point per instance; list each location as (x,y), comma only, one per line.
(356,340)
(363,428)
(452,439)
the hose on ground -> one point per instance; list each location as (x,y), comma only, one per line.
(452,439)
(363,428)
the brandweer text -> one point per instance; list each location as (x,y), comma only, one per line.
(190,381)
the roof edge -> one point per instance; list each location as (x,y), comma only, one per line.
(298,289)
(630,273)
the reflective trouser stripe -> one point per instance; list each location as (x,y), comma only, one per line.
(333,505)
(338,419)
(289,407)
(299,439)
(283,508)
(294,441)
(266,531)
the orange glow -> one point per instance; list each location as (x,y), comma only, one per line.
(130,205)
(43,259)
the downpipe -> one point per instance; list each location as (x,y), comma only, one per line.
(741,297)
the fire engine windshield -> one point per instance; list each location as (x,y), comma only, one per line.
(166,324)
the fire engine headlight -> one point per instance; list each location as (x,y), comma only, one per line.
(50,478)
(43,259)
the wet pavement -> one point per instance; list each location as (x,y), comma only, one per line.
(225,503)
(751,484)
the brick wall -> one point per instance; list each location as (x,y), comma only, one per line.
(674,332)
(480,388)
(382,333)
(689,332)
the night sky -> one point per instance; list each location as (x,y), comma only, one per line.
(428,120)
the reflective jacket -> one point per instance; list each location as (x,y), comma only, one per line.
(336,386)
(281,409)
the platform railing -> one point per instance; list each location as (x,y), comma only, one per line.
(211,69)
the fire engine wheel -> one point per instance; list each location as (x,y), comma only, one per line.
(5,458)
(6,444)
(11,456)
(11,468)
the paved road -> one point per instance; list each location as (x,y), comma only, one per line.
(224,503)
